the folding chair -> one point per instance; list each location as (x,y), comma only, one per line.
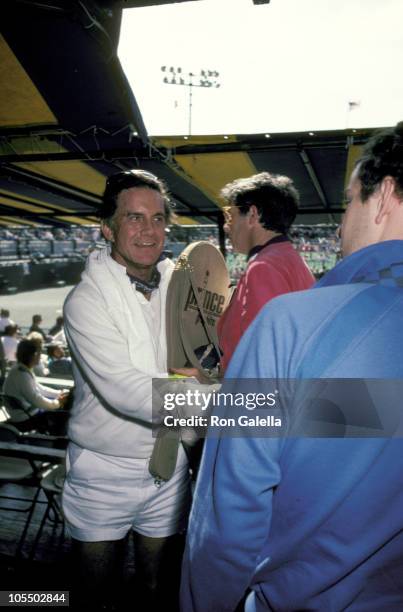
(51,422)
(52,485)
(22,472)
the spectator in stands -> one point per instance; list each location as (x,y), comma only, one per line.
(21,385)
(259,212)
(5,320)
(27,233)
(60,234)
(45,234)
(8,235)
(57,327)
(304,522)
(3,364)
(59,365)
(41,367)
(95,234)
(35,327)
(10,342)
(79,234)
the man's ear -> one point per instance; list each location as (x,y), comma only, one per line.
(388,198)
(107,231)
(254,216)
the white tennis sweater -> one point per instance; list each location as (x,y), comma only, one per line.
(117,341)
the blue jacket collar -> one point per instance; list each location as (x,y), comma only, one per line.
(377,263)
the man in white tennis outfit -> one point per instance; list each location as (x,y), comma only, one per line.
(115,328)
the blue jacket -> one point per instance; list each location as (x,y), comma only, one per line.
(308,523)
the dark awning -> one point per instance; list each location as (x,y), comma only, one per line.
(68,119)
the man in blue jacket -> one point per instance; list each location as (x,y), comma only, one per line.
(307,523)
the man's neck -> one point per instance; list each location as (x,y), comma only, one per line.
(276,237)
(142,273)
(261,236)
(146,287)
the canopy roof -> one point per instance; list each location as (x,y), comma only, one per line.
(68,119)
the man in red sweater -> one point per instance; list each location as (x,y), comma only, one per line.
(259,212)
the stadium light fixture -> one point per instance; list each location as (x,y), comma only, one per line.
(205,78)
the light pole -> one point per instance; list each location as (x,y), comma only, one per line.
(176,76)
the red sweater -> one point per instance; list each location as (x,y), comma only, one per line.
(277,268)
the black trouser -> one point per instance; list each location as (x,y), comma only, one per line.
(53,423)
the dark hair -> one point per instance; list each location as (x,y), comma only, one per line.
(117,183)
(381,156)
(52,348)
(26,349)
(36,318)
(274,196)
(4,312)
(10,330)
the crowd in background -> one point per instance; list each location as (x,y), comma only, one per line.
(90,233)
(35,244)
(319,244)
(51,345)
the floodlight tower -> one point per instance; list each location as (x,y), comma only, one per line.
(176,76)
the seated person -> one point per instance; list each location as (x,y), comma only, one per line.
(57,328)
(36,326)
(10,342)
(41,368)
(57,332)
(3,363)
(59,365)
(25,399)
(4,320)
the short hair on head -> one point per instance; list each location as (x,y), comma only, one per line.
(381,156)
(4,312)
(274,196)
(129,179)
(10,330)
(36,318)
(26,349)
(37,338)
(53,348)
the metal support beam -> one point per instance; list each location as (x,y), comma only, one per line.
(44,214)
(85,155)
(60,189)
(312,174)
(221,234)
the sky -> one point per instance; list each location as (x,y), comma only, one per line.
(291,65)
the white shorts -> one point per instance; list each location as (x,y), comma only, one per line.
(105,496)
